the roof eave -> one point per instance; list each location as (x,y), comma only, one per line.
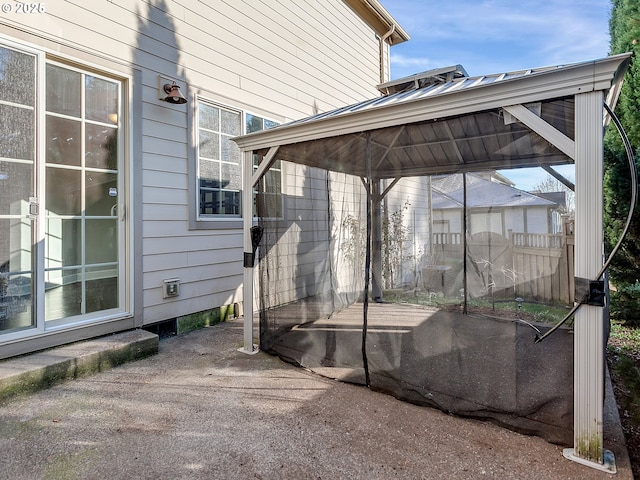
(376,16)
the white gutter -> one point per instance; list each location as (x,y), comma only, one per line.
(382,41)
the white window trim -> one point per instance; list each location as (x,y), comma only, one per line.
(218,222)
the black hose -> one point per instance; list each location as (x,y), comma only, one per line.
(632,205)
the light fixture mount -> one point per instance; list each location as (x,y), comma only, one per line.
(172,94)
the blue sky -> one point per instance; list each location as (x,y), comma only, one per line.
(496,36)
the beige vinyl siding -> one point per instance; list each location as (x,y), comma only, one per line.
(285,59)
(224,45)
(299,264)
(407,197)
(452,216)
(262,49)
(538,220)
(530,220)
(514,220)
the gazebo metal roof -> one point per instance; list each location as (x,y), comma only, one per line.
(516,119)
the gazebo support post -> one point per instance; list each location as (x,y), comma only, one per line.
(247,218)
(589,319)
(376,240)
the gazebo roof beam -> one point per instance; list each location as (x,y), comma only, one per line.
(391,145)
(268,160)
(542,128)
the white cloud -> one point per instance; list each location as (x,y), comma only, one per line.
(490,36)
(407,62)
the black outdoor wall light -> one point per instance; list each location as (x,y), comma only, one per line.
(171,93)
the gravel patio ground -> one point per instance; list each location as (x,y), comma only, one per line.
(202,409)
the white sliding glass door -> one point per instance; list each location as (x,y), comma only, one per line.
(62,229)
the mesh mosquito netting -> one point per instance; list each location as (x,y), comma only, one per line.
(430,288)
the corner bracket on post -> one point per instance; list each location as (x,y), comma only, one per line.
(608,464)
(590,292)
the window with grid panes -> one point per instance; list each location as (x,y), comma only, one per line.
(219,168)
(271,184)
(219,161)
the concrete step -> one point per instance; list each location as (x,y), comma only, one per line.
(29,373)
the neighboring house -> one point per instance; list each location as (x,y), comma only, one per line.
(120,204)
(511,237)
(492,206)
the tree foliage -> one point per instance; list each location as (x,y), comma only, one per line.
(624,28)
(552,184)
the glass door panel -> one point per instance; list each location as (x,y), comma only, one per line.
(17,155)
(63,293)
(60,199)
(16,275)
(82,234)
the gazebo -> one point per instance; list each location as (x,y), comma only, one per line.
(440,122)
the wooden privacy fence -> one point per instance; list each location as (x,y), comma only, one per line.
(536,267)
(545,264)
